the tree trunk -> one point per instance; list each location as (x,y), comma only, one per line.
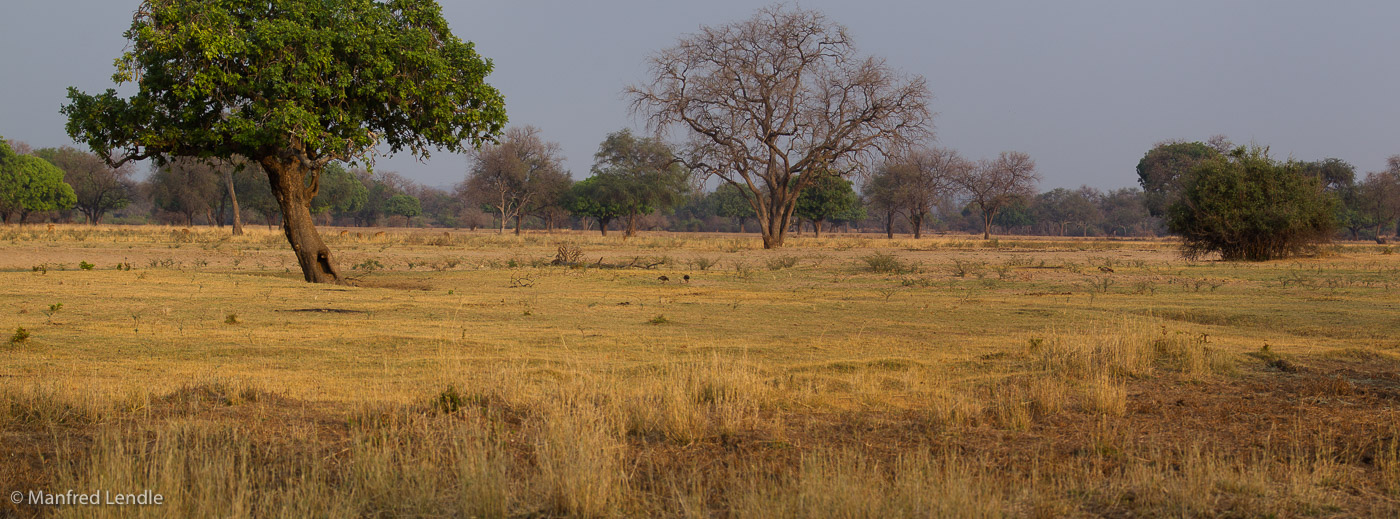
(889,224)
(518,216)
(987,225)
(294,196)
(603,225)
(918,223)
(631,225)
(504,220)
(233,198)
(817,228)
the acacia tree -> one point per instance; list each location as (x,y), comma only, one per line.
(291,85)
(98,187)
(594,197)
(994,184)
(508,176)
(768,100)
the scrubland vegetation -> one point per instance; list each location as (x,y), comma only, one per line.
(479,375)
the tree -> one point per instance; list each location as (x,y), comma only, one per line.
(995,184)
(340,193)
(30,184)
(1060,207)
(640,176)
(768,100)
(595,197)
(920,178)
(403,205)
(729,201)
(97,187)
(508,176)
(1247,206)
(291,85)
(1379,197)
(1161,169)
(828,198)
(187,186)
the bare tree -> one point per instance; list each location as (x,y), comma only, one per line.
(922,177)
(1380,197)
(995,183)
(508,176)
(767,100)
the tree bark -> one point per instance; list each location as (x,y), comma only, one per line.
(294,196)
(631,225)
(817,228)
(889,224)
(987,225)
(918,222)
(603,225)
(518,216)
(233,198)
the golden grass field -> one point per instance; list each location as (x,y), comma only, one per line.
(463,375)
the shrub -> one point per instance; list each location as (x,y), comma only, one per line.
(884,262)
(21,335)
(85,265)
(1247,206)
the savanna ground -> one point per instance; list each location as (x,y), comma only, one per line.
(465,375)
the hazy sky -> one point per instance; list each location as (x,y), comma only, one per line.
(1084,87)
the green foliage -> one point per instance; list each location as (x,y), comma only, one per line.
(1161,170)
(98,187)
(594,197)
(340,191)
(31,184)
(829,197)
(311,79)
(21,335)
(85,265)
(636,176)
(1247,206)
(403,205)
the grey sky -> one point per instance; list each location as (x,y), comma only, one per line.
(1085,87)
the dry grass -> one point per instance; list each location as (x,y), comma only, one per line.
(466,377)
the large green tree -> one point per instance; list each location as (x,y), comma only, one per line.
(1246,206)
(291,85)
(340,193)
(731,201)
(30,184)
(641,176)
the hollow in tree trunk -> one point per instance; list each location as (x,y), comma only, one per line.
(294,197)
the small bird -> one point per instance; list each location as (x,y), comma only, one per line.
(663,279)
(686,278)
(1106,269)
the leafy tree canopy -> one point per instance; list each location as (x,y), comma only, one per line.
(403,205)
(1247,206)
(30,184)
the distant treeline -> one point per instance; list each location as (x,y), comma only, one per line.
(504,191)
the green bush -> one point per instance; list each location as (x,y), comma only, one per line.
(1246,206)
